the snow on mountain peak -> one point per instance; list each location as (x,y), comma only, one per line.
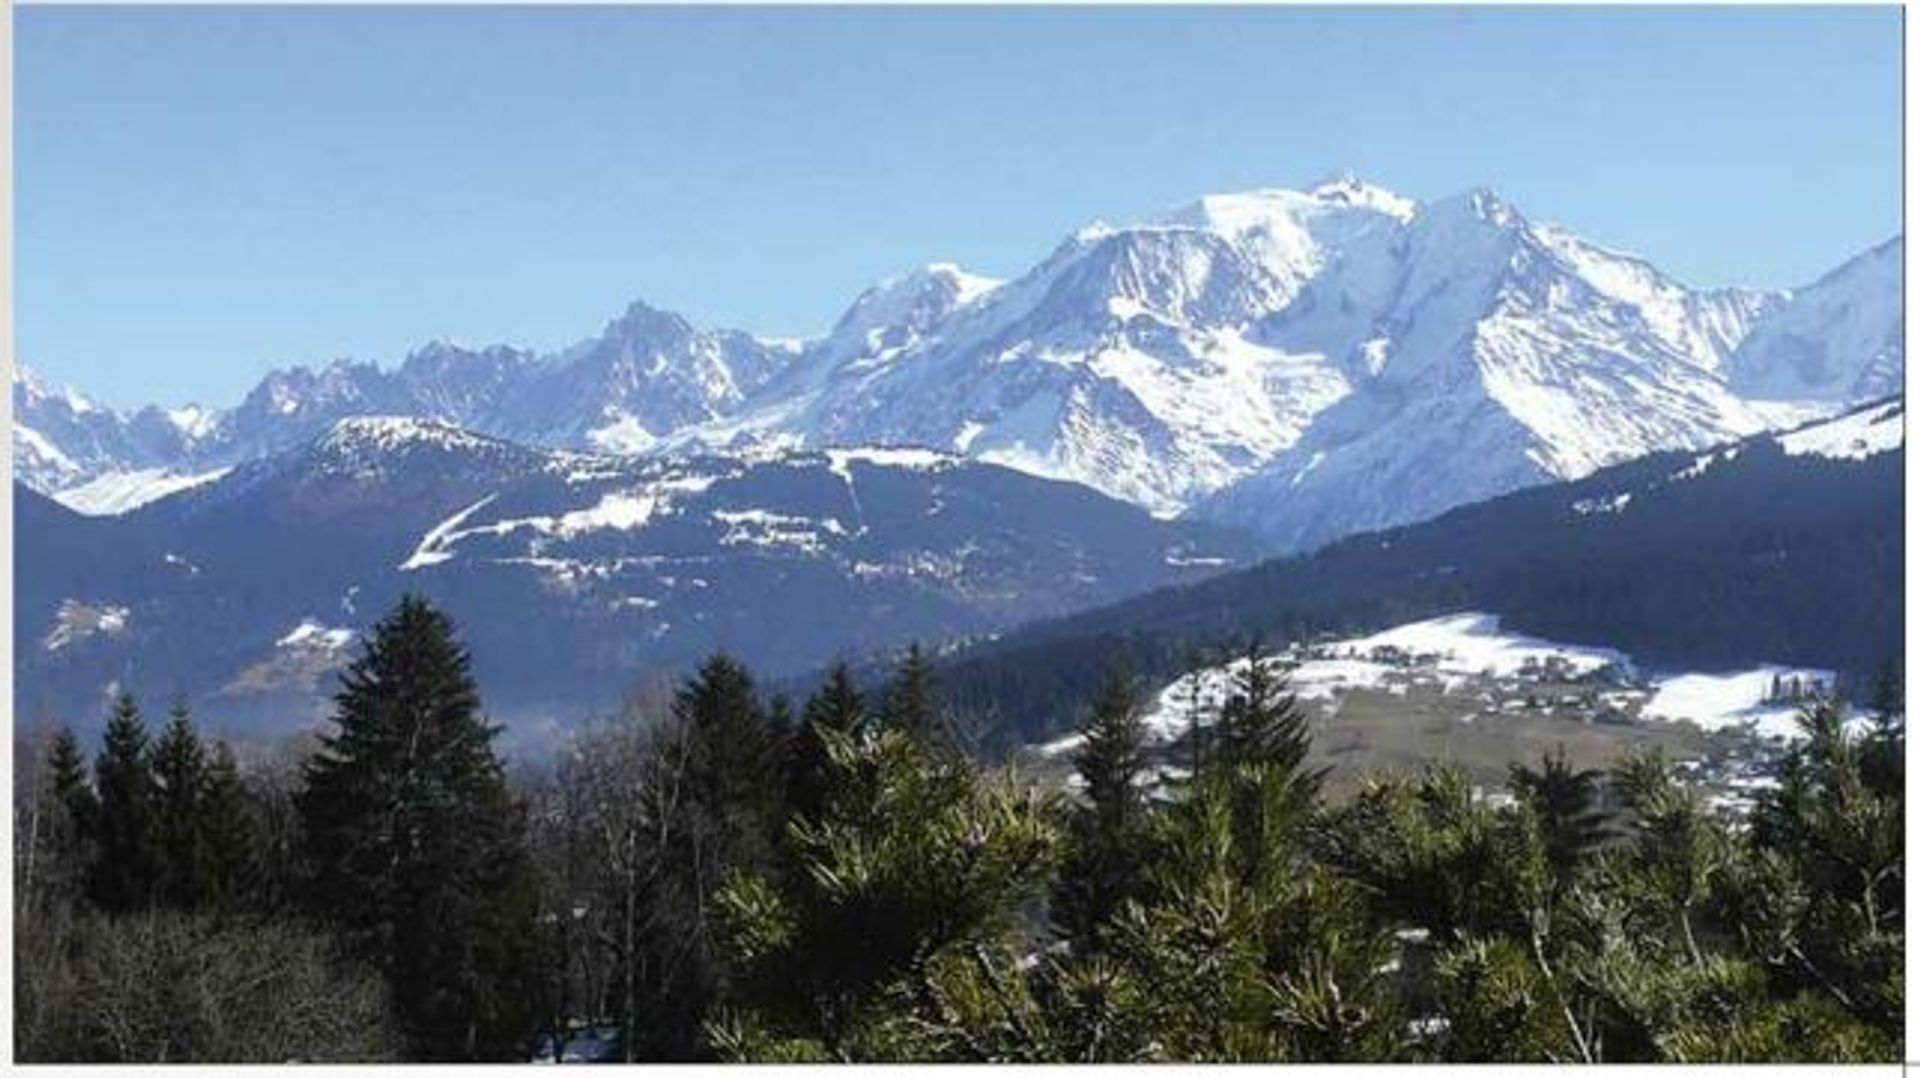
(381,434)
(1346,189)
(1341,355)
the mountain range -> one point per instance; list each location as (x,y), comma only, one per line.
(1300,364)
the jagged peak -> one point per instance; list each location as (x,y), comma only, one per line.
(642,319)
(38,386)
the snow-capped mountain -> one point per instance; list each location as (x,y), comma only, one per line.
(62,439)
(647,371)
(1129,360)
(1303,363)
(1306,364)
(1841,338)
(1503,355)
(571,574)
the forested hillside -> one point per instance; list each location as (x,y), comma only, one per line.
(1746,554)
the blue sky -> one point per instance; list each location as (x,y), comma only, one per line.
(204,193)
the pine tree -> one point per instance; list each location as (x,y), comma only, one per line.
(837,707)
(1566,802)
(124,870)
(1105,850)
(417,847)
(922,859)
(179,771)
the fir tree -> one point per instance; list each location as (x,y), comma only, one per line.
(911,704)
(417,846)
(1105,850)
(230,839)
(179,770)
(837,707)
(732,766)
(1261,721)
(124,870)
(68,781)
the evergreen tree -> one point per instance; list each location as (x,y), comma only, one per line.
(1566,802)
(1260,721)
(837,707)
(417,847)
(912,705)
(229,836)
(1105,850)
(732,768)
(51,852)
(1882,757)
(179,771)
(917,860)
(68,781)
(125,865)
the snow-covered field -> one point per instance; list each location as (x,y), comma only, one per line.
(1717,701)
(1460,651)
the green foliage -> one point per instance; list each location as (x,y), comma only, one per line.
(126,863)
(731,764)
(1102,867)
(180,777)
(1566,801)
(229,836)
(67,773)
(911,704)
(416,843)
(715,879)
(1260,722)
(837,707)
(913,855)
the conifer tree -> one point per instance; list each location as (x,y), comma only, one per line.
(229,837)
(68,781)
(124,870)
(732,767)
(1105,850)
(417,846)
(179,770)
(911,704)
(836,707)
(1566,801)
(1260,721)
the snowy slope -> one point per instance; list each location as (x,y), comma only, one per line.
(1448,651)
(1839,339)
(116,492)
(1504,354)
